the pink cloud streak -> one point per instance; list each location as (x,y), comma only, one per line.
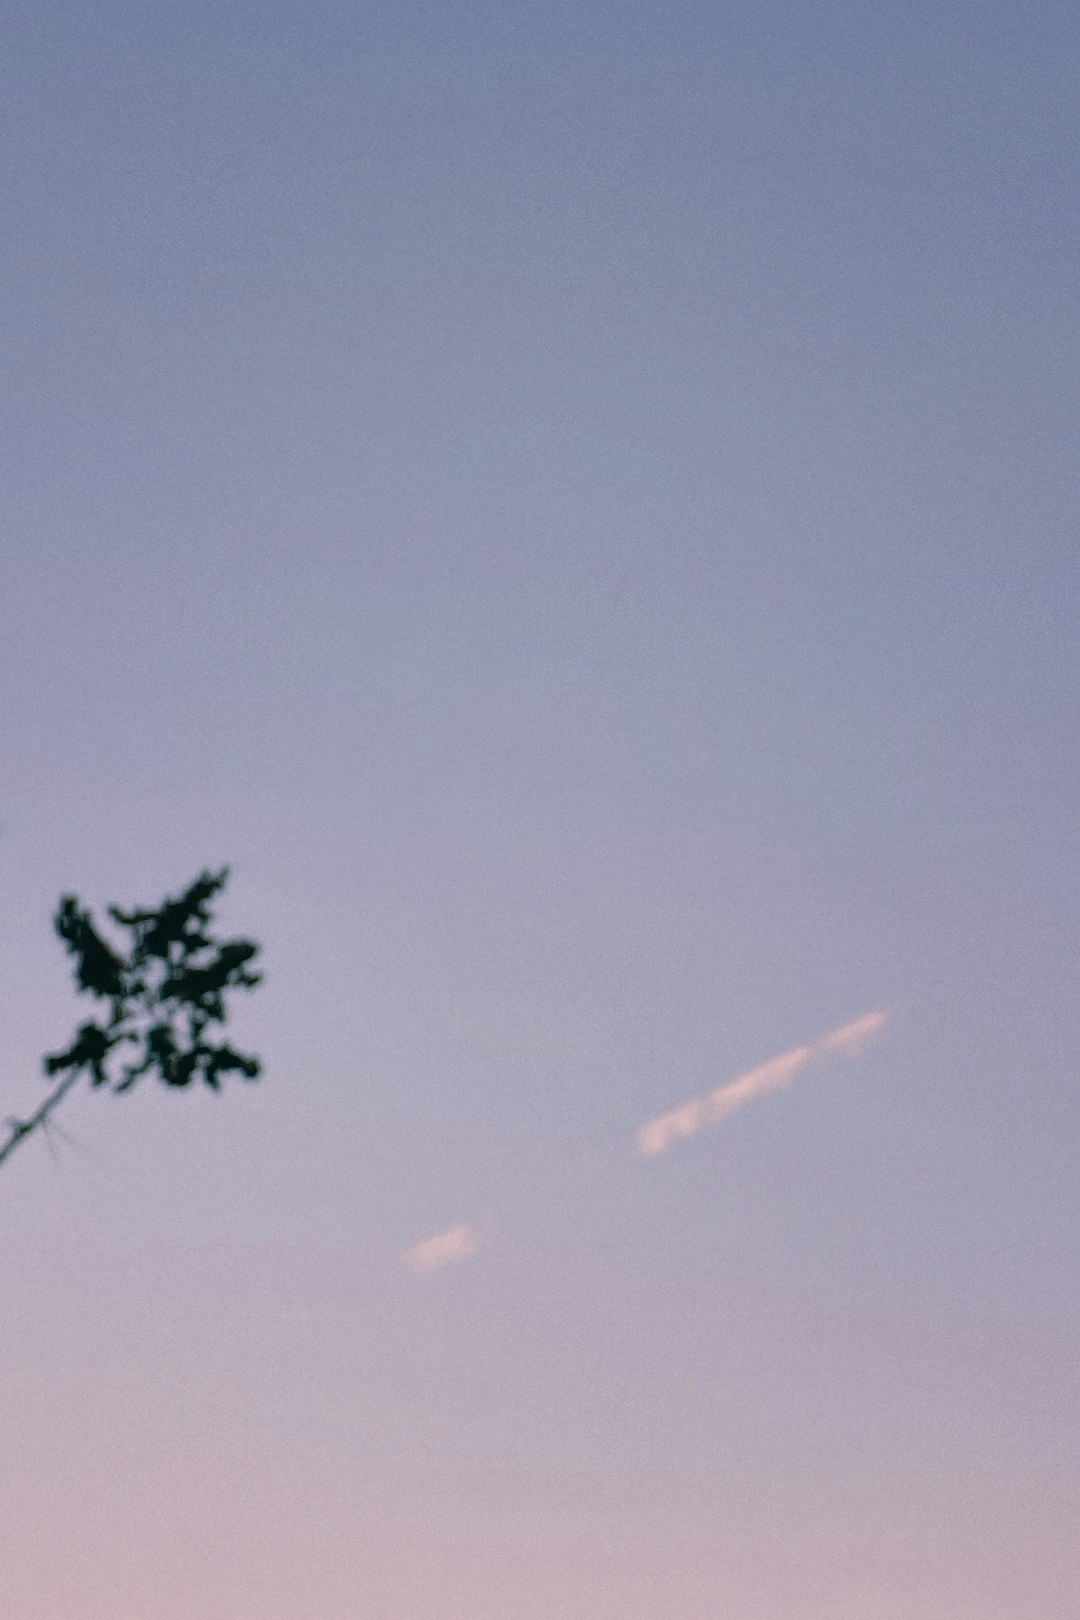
(442,1250)
(848,1040)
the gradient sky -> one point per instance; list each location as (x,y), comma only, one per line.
(578,504)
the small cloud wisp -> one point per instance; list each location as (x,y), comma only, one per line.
(846,1041)
(443,1250)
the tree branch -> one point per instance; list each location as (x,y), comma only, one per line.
(21,1128)
(163,995)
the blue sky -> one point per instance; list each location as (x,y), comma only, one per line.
(578,505)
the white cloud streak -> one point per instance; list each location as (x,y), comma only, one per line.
(443,1250)
(847,1041)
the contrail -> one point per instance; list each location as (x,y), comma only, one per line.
(846,1041)
(443,1250)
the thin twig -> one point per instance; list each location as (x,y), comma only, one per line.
(73,1142)
(47,1128)
(21,1128)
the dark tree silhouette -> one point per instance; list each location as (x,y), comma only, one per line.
(162,998)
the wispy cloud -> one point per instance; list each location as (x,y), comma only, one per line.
(443,1250)
(846,1041)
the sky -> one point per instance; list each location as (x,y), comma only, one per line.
(577,505)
